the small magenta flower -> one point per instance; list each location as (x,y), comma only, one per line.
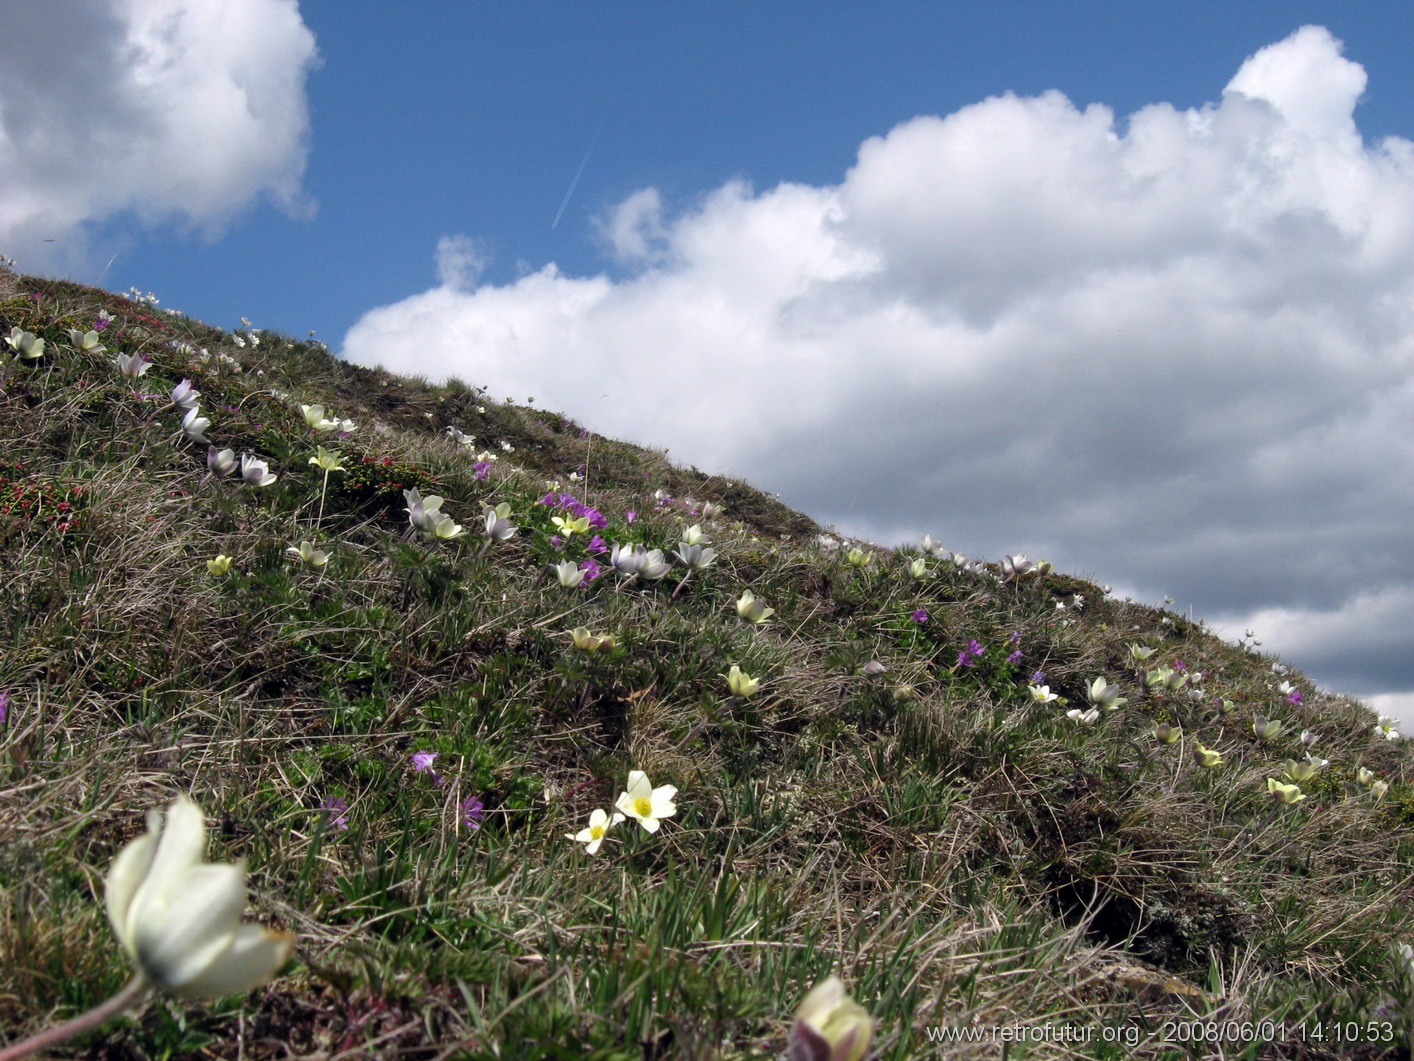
(4,705)
(920,615)
(422,761)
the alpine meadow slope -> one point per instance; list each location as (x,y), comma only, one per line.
(541,746)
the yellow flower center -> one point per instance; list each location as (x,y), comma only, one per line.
(644,806)
(596,832)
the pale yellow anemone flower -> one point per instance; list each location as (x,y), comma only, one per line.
(179,918)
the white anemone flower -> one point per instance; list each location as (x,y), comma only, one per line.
(445,528)
(309,554)
(184,395)
(599,825)
(221,461)
(133,365)
(570,574)
(314,417)
(26,344)
(423,512)
(179,918)
(256,472)
(87,341)
(646,803)
(195,425)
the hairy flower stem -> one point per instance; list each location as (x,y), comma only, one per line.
(100,1014)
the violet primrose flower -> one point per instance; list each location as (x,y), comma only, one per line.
(336,806)
(473,810)
(920,615)
(422,761)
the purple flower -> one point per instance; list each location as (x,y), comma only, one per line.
(557,541)
(4,705)
(1178,664)
(473,810)
(1038,678)
(1015,637)
(1293,697)
(597,545)
(974,647)
(1015,657)
(422,761)
(920,615)
(483,469)
(631,515)
(335,806)
(592,569)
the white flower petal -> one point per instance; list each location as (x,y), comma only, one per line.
(125,877)
(253,955)
(185,923)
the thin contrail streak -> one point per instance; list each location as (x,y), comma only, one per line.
(577,174)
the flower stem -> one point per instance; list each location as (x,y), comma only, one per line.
(104,1011)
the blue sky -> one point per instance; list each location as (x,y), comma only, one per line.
(475,117)
(1145,316)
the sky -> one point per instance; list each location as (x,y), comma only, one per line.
(1126,286)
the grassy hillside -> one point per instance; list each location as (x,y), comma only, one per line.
(898,802)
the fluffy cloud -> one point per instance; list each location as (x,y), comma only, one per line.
(164,110)
(1174,351)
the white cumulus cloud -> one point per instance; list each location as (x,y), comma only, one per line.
(1173,350)
(162,110)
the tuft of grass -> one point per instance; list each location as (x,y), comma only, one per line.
(893,805)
